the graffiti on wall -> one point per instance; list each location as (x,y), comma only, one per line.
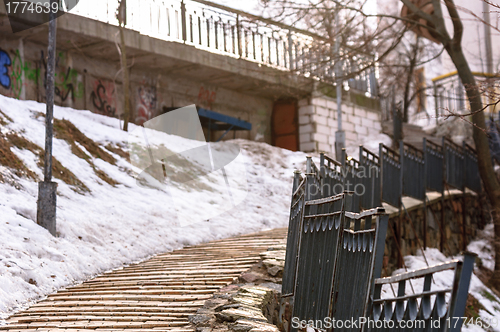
(13,72)
(146,104)
(5,63)
(68,83)
(103,97)
(206,97)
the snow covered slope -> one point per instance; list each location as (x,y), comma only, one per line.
(104,219)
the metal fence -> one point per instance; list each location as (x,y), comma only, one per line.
(219,29)
(331,176)
(471,169)
(371,179)
(334,260)
(434,160)
(390,175)
(454,164)
(352,180)
(390,166)
(427,309)
(320,239)
(413,174)
(296,212)
(362,242)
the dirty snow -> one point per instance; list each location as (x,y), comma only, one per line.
(113,226)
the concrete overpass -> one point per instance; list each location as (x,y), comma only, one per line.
(179,53)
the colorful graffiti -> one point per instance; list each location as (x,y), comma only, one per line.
(12,70)
(206,97)
(103,97)
(146,104)
(67,83)
(5,63)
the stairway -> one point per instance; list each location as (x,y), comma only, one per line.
(155,295)
(412,134)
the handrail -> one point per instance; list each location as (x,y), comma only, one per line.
(418,273)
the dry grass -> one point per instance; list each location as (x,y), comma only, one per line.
(103,176)
(473,307)
(6,116)
(119,151)
(58,170)
(63,129)
(10,160)
(67,131)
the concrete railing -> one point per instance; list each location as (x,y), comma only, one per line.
(219,29)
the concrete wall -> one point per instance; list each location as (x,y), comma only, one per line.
(318,123)
(95,84)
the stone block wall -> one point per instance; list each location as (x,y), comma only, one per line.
(463,217)
(318,123)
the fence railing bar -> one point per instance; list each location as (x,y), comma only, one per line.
(324,215)
(366,213)
(418,273)
(329,199)
(412,296)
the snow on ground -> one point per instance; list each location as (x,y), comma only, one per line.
(112,226)
(116,225)
(490,313)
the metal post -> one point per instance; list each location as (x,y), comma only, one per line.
(436,102)
(443,226)
(461,284)
(464,202)
(425,194)
(400,220)
(339,134)
(47,190)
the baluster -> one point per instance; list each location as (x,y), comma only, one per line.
(216,30)
(276,42)
(253,46)
(262,47)
(238,37)
(224,36)
(183,21)
(199,30)
(208,31)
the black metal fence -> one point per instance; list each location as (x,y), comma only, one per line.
(434,159)
(413,165)
(334,260)
(454,164)
(296,212)
(424,310)
(390,175)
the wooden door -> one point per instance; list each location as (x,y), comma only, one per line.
(285,125)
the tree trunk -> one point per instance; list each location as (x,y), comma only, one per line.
(488,176)
(411,68)
(126,83)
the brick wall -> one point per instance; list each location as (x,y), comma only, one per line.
(318,123)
